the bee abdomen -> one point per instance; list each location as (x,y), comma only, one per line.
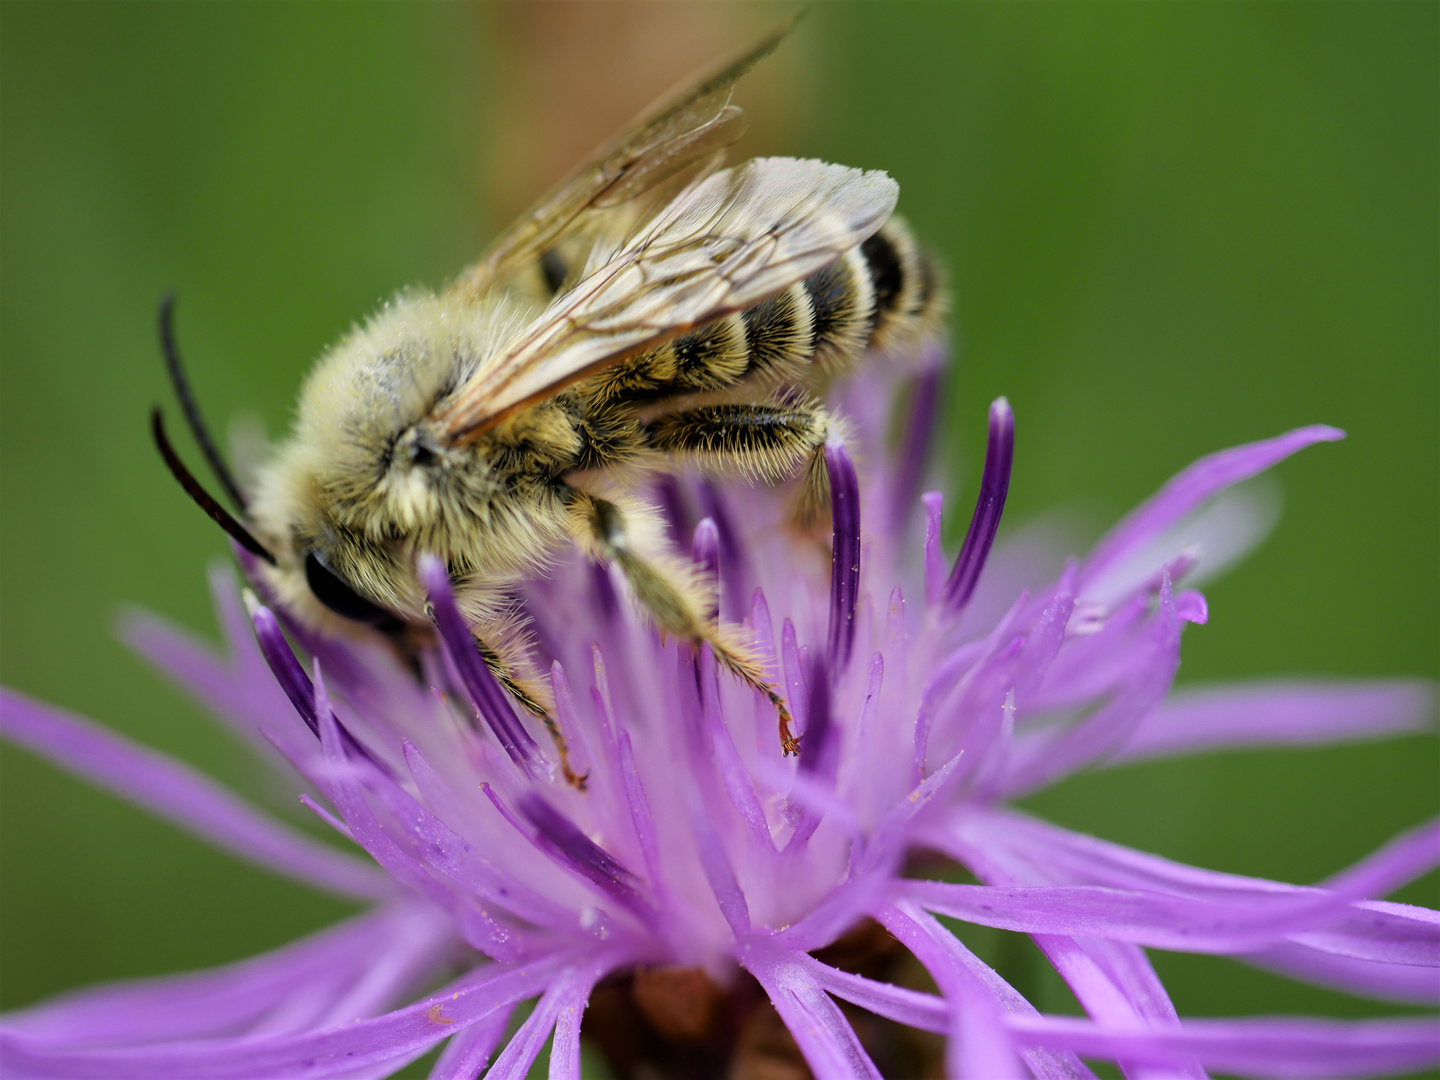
(780,334)
(842,302)
(884,295)
(909,298)
(710,357)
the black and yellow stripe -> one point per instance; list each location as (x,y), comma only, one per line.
(884,295)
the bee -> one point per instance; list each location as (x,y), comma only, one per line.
(656,310)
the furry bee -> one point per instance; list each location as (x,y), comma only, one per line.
(655,310)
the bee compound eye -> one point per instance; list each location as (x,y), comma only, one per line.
(332,591)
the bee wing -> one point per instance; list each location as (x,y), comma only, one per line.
(688,129)
(727,242)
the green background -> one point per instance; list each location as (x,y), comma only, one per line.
(1170,229)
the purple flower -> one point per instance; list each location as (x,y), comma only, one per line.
(704,895)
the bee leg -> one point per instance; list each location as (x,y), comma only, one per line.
(671,591)
(769,442)
(529,700)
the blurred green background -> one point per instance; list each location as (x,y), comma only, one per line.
(1170,229)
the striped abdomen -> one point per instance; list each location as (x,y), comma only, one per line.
(883,295)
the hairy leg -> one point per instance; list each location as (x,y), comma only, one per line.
(764,441)
(529,697)
(670,590)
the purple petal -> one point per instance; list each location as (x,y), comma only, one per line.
(719,873)
(1280,713)
(565,1049)
(1264,1047)
(1403,983)
(925,396)
(1003,847)
(1380,932)
(433,842)
(819,754)
(1182,924)
(1402,859)
(926,1012)
(1068,856)
(491,702)
(184,797)
(673,508)
(978,1046)
(795,688)
(763,628)
(288,989)
(283,665)
(338,1050)
(243,703)
(364,826)
(734,564)
(949,673)
(641,817)
(994,485)
(292,678)
(605,598)
(1110,726)
(1208,476)
(555,835)
(1043,642)
(566,995)
(870,879)
(467,1053)
(737,781)
(933,502)
(825,1037)
(844,556)
(951,953)
(705,548)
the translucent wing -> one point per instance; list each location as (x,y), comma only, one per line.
(685,130)
(727,242)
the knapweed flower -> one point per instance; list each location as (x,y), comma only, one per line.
(706,906)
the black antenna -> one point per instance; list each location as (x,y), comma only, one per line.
(192,411)
(203,499)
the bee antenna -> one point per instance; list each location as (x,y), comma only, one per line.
(191,410)
(203,498)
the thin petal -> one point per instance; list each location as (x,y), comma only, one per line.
(927,1012)
(844,556)
(1263,1047)
(925,398)
(336,1051)
(491,702)
(288,989)
(1205,478)
(825,1037)
(1111,725)
(1279,713)
(1057,855)
(1402,983)
(183,796)
(933,503)
(1181,924)
(566,994)
(559,839)
(719,873)
(951,953)
(978,1047)
(467,1053)
(989,506)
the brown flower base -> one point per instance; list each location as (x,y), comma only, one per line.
(669,1022)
